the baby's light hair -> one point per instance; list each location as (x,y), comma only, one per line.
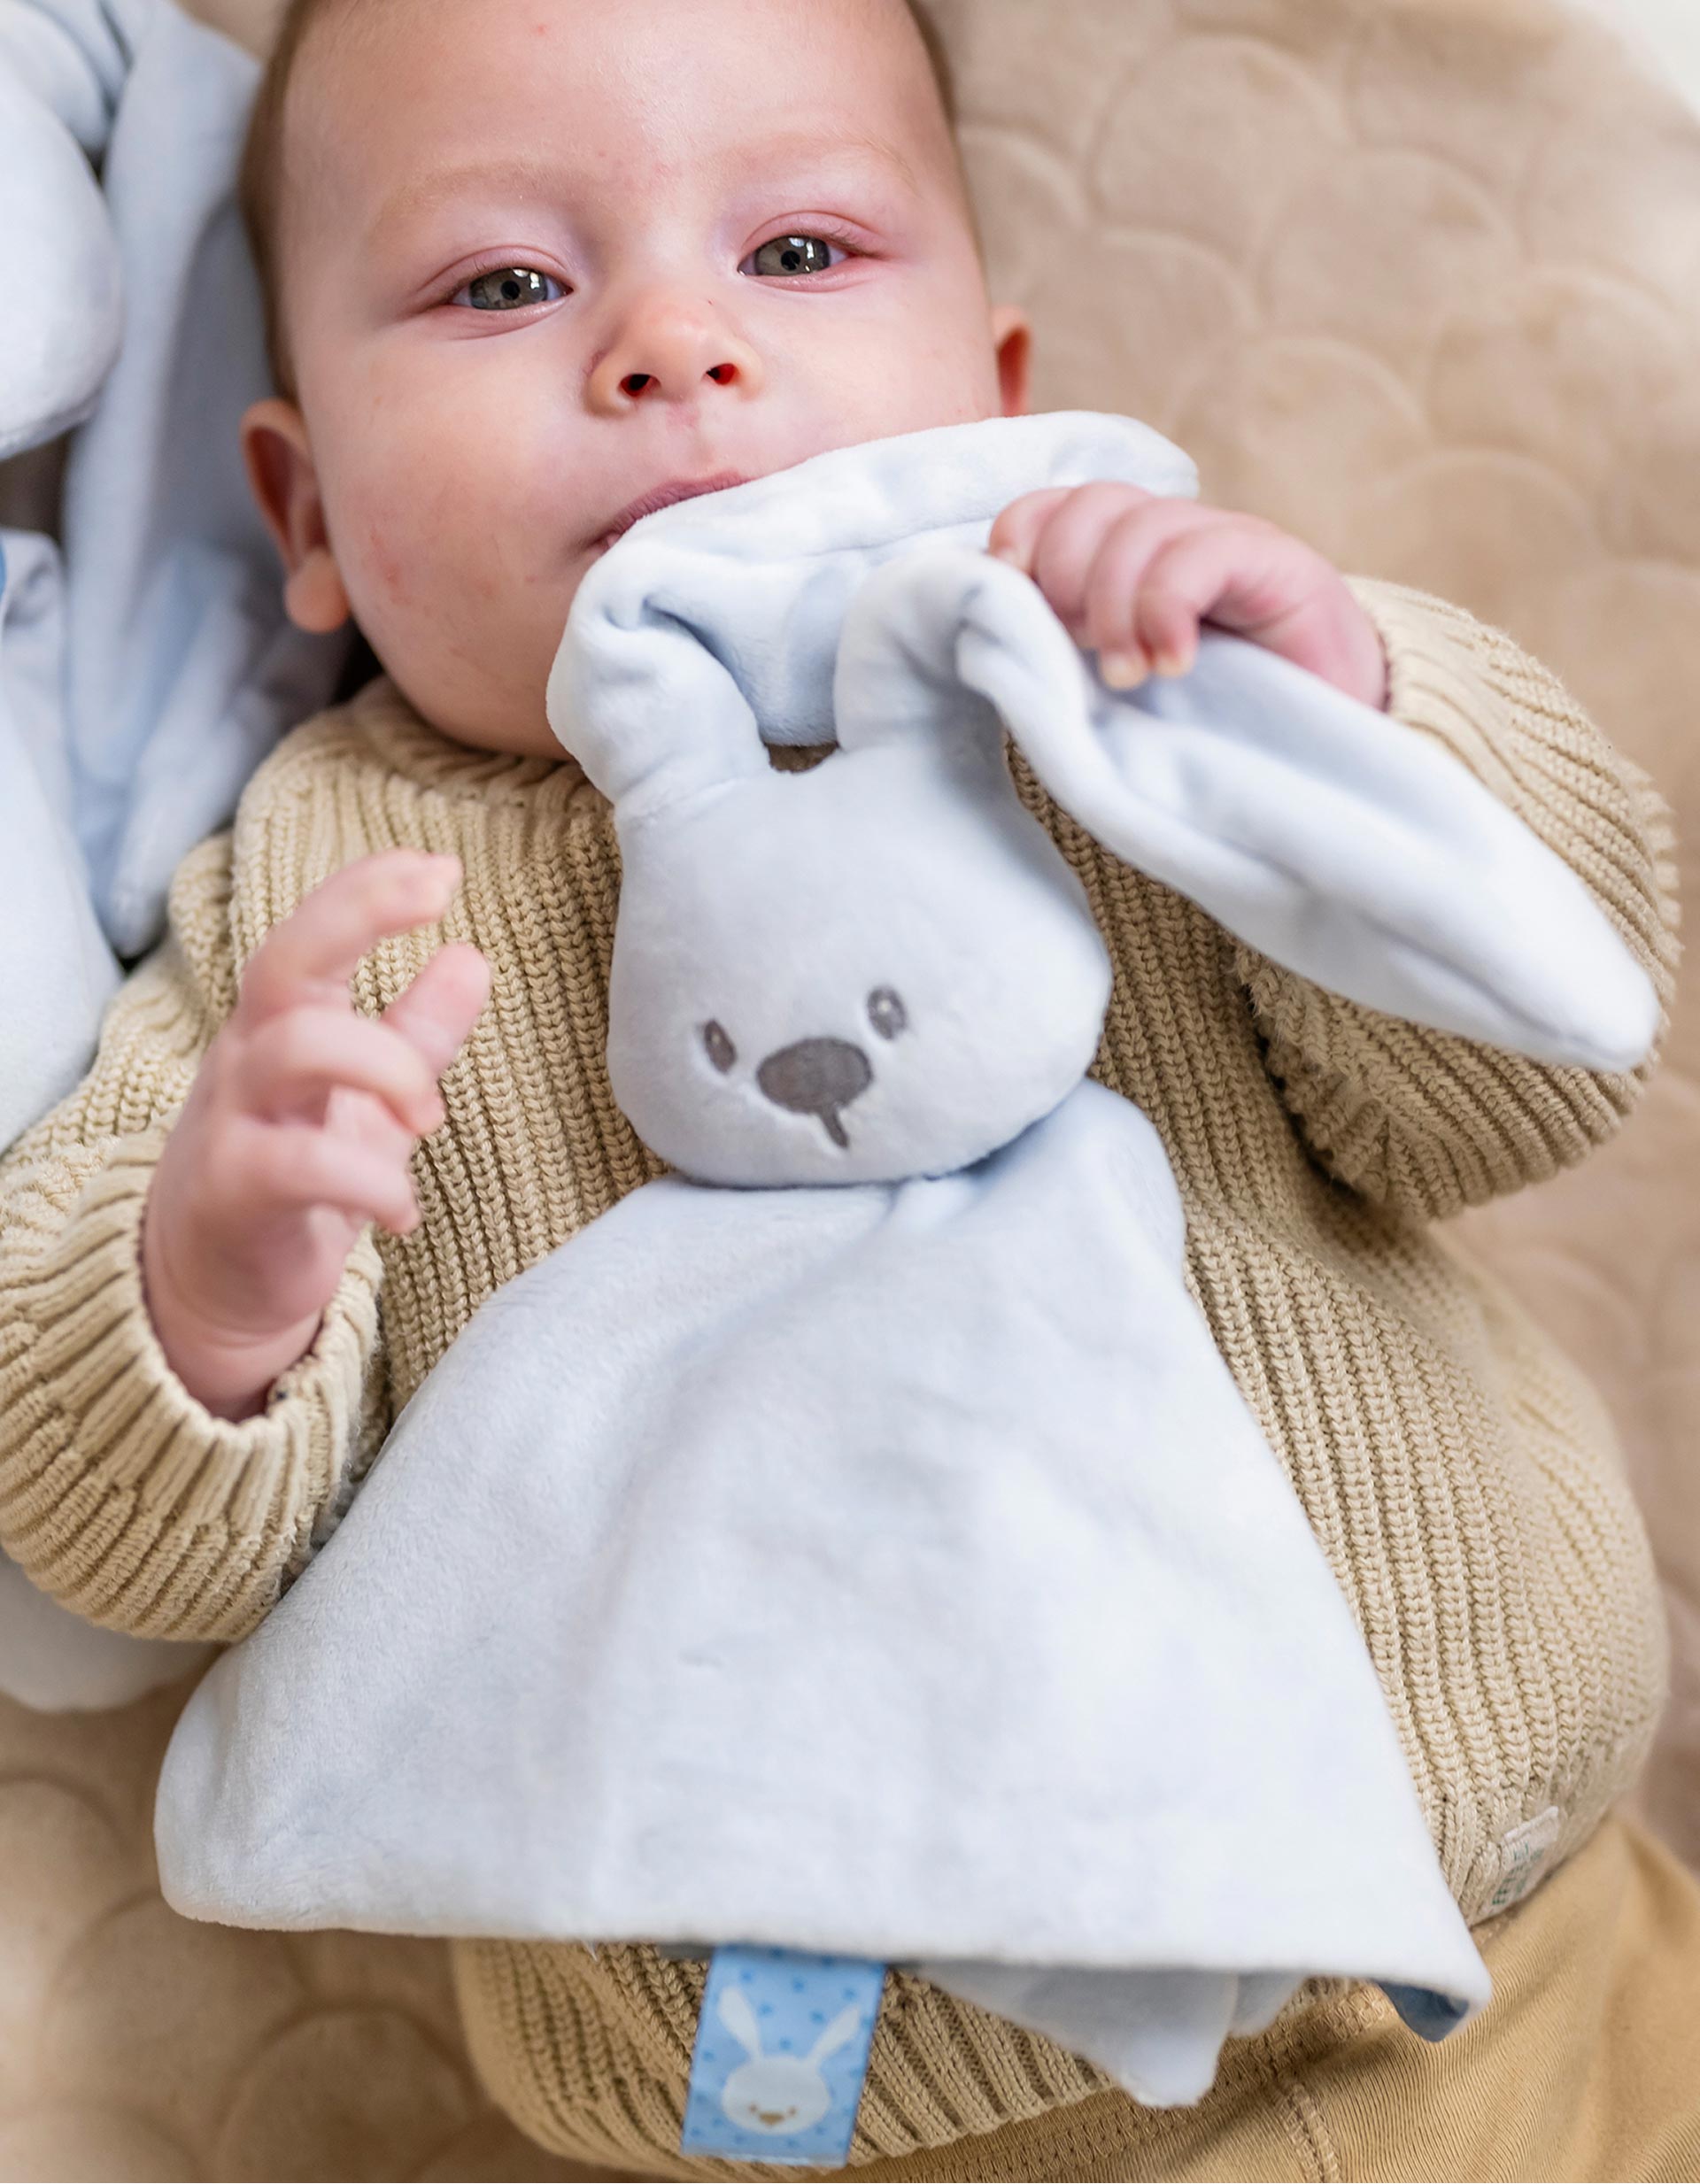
(258,188)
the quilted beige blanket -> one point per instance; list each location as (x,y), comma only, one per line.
(1418,278)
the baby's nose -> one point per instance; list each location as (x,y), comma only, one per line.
(669,349)
(817,1077)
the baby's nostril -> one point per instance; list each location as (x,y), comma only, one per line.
(634,382)
(723,374)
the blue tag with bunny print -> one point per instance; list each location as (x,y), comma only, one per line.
(781,2055)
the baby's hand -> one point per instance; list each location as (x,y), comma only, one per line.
(1132,574)
(298,1129)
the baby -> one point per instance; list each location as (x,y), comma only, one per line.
(536,269)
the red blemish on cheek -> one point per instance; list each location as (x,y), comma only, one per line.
(386,565)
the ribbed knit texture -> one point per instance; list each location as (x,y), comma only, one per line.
(1460,1476)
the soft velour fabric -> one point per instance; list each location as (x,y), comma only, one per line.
(145,666)
(1389,384)
(924,1470)
(172,670)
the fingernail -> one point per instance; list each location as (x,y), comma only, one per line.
(1121,671)
(1171,663)
(1012,554)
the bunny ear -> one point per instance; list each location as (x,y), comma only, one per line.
(638,696)
(740,2019)
(1349,848)
(899,674)
(842,2030)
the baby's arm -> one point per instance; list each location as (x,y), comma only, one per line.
(299,1129)
(1422,1120)
(121,1493)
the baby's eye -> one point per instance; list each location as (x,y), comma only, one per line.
(510,288)
(787,256)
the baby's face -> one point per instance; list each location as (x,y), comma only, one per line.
(546,263)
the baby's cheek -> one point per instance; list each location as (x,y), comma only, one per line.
(452,539)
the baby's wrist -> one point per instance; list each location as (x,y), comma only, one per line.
(233,1381)
(229,1374)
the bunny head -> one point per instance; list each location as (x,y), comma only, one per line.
(879,967)
(875,969)
(779,2094)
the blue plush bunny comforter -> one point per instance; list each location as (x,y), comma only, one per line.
(861,1546)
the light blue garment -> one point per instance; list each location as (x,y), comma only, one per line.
(178,671)
(59,971)
(59,979)
(145,672)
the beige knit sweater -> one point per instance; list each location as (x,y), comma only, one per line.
(1461,1477)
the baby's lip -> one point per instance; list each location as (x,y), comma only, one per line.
(663,497)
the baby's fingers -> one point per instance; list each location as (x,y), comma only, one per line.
(290,1068)
(291,1169)
(1223,575)
(1111,619)
(1015,535)
(437,1012)
(316,950)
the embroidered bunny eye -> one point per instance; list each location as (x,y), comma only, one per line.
(887,1014)
(721,1050)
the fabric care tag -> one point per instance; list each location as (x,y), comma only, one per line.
(1522,1854)
(781,2055)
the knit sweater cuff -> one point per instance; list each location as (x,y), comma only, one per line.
(1435,684)
(124,1496)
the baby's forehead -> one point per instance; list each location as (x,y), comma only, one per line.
(336,42)
(329,40)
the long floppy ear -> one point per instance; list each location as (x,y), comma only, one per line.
(900,675)
(740,2019)
(637,696)
(1337,841)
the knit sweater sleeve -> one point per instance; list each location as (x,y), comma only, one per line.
(1424,1120)
(120,1493)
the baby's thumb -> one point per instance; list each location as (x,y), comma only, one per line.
(436,1013)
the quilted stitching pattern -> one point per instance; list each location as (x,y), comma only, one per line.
(1419,280)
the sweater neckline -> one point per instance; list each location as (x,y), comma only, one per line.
(400,737)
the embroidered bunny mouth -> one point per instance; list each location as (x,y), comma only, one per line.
(820,1077)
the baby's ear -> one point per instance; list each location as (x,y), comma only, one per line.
(1012,338)
(285,482)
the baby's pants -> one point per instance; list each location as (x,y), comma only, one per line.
(1587,2065)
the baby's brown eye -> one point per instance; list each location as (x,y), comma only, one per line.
(789,255)
(511,287)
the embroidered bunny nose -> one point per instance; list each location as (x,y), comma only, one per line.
(817,1077)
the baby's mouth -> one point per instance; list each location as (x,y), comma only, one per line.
(661,496)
